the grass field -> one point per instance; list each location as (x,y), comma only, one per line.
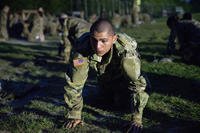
(33,101)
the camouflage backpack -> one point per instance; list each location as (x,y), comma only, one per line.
(126,45)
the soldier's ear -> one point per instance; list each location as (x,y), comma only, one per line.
(114,38)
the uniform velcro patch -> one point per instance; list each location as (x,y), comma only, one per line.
(78,62)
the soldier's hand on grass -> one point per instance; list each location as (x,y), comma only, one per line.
(73,123)
(134,128)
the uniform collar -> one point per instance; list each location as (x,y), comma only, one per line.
(105,59)
(96,58)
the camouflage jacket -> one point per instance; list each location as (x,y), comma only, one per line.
(73,28)
(38,25)
(120,63)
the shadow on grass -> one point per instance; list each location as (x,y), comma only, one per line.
(10,49)
(151,51)
(18,93)
(51,64)
(175,86)
(39,54)
(112,122)
(14,61)
(166,123)
(152,47)
(37,115)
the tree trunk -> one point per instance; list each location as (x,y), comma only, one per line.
(86,9)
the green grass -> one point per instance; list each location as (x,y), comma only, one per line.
(173,105)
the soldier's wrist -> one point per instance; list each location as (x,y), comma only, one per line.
(74,115)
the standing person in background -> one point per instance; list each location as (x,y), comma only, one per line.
(37,31)
(4,23)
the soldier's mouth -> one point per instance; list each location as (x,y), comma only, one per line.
(100,53)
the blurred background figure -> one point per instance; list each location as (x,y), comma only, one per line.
(116,20)
(126,21)
(51,24)
(187,16)
(188,36)
(4,23)
(136,11)
(71,29)
(171,45)
(15,25)
(93,18)
(37,31)
(145,18)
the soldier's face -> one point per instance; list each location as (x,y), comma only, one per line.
(102,42)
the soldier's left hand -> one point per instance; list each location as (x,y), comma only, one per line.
(73,123)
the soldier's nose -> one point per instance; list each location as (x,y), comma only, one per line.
(99,45)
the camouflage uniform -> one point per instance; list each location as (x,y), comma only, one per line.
(51,24)
(119,71)
(145,17)
(54,26)
(126,20)
(25,33)
(72,29)
(37,32)
(4,24)
(188,35)
(116,21)
(93,18)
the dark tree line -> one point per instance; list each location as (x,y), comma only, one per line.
(96,6)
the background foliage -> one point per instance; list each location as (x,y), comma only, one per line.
(153,7)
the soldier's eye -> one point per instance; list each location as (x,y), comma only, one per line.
(93,39)
(104,40)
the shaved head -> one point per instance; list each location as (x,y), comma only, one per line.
(102,25)
(102,36)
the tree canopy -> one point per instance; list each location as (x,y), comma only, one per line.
(96,6)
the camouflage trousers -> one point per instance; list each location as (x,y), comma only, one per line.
(131,96)
(36,36)
(3,33)
(121,91)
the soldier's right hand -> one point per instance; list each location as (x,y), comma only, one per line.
(134,128)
